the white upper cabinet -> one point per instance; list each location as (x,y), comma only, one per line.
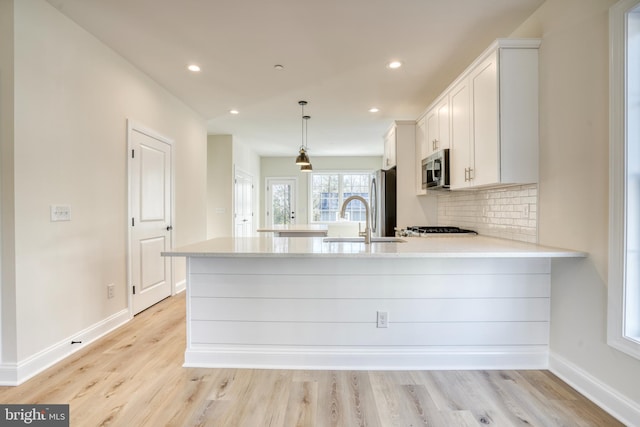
(421,150)
(389,158)
(460,150)
(437,123)
(494,117)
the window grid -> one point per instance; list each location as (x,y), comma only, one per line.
(330,189)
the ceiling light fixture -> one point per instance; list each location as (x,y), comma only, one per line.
(303,158)
(394,64)
(194,68)
(234,111)
(374,110)
(278,67)
(306,168)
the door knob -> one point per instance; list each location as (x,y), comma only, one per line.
(169,228)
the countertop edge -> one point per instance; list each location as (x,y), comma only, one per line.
(561,254)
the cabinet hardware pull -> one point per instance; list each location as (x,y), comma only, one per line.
(470,176)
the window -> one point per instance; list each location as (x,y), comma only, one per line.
(329,190)
(624,179)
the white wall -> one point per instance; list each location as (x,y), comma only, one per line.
(246,160)
(219,186)
(573,190)
(73,97)
(7,225)
(224,157)
(285,167)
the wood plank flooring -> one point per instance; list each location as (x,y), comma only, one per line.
(133,377)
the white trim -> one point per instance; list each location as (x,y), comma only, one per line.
(619,406)
(16,374)
(264,357)
(339,172)
(617,173)
(240,171)
(181,286)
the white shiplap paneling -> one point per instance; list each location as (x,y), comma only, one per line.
(305,312)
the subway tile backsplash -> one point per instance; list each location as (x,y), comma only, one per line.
(506,212)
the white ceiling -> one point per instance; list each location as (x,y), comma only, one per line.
(334,53)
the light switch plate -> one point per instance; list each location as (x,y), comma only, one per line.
(60,213)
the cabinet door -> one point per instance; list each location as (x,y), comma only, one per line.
(421,138)
(442,110)
(486,148)
(460,113)
(431,131)
(421,151)
(389,159)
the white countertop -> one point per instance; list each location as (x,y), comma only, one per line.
(413,247)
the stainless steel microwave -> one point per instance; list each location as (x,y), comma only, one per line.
(435,171)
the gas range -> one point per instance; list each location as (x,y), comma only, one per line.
(427,231)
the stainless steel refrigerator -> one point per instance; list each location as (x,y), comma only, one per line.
(383,203)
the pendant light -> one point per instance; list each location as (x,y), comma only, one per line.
(303,158)
(306,168)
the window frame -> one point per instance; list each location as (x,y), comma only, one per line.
(616,304)
(341,173)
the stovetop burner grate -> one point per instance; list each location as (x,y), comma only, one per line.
(421,229)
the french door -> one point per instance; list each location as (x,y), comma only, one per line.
(281,201)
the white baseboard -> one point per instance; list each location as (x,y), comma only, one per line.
(365,359)
(180,286)
(619,406)
(16,374)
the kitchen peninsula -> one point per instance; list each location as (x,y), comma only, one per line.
(424,303)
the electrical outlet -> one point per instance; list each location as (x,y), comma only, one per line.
(111,288)
(383,319)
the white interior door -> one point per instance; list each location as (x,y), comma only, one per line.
(243,204)
(281,201)
(150,169)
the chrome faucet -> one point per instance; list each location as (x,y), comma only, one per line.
(367,228)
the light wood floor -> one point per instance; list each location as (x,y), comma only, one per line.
(133,377)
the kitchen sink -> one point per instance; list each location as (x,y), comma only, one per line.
(361,240)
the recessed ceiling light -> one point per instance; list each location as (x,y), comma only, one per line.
(278,67)
(374,110)
(194,68)
(394,64)
(234,111)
